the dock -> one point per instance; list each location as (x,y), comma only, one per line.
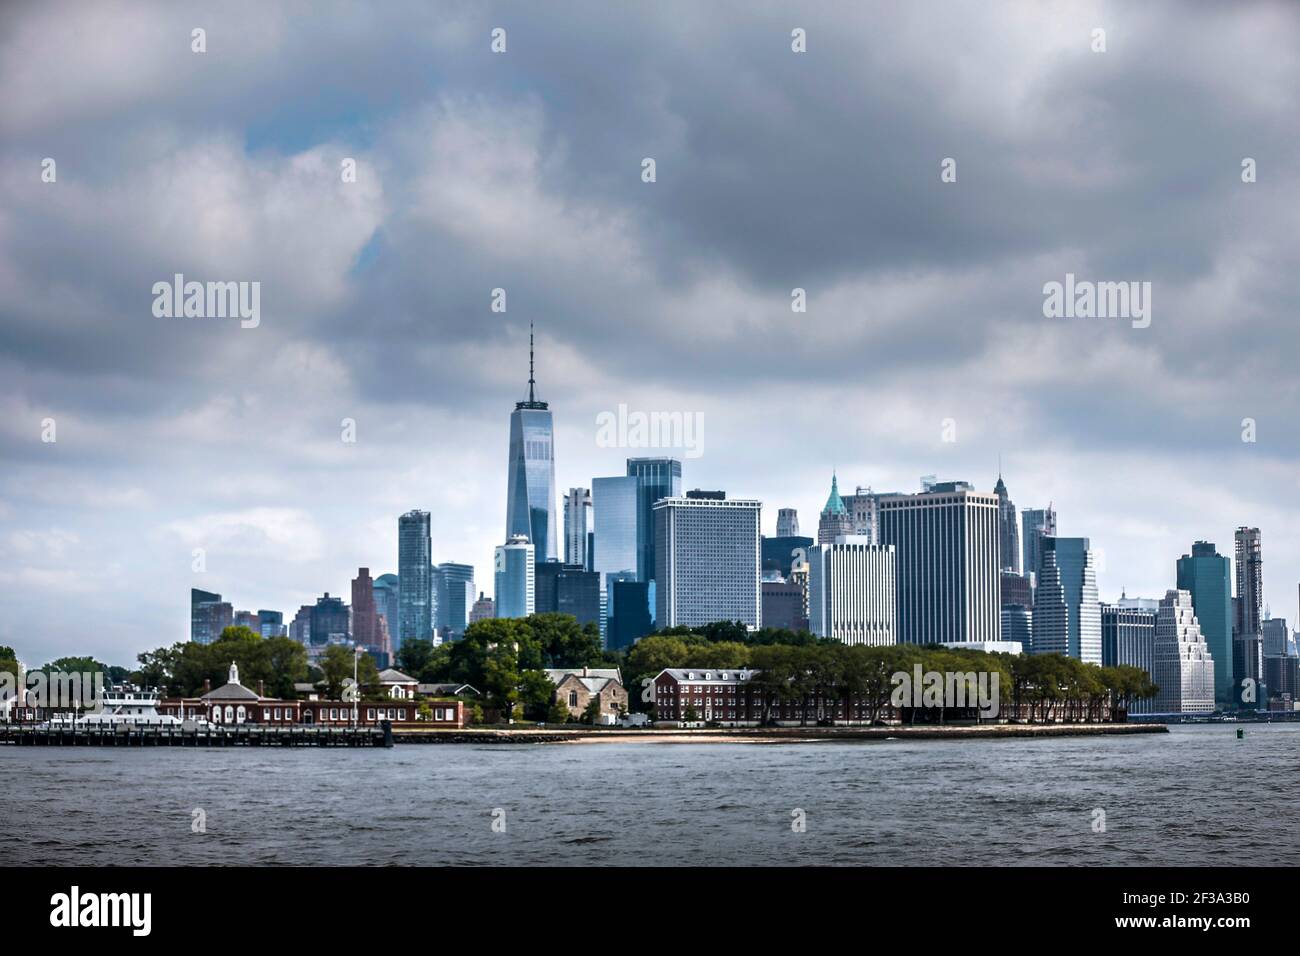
(245,735)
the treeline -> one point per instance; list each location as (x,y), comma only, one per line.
(805,669)
(504,658)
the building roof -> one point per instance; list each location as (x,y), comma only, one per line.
(233,690)
(435,690)
(835,504)
(709,675)
(230,692)
(557,674)
(593,684)
(390,675)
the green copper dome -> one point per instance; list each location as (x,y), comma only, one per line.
(834,504)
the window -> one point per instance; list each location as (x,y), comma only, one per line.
(370,713)
(573,698)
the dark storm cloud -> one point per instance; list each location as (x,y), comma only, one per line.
(775,170)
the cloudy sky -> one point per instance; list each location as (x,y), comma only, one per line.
(522,170)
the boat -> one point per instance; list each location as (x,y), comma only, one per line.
(124,707)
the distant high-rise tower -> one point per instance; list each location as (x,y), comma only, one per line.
(1250,582)
(863,507)
(851,592)
(946,544)
(530,492)
(1008,532)
(365,614)
(708,565)
(388,601)
(1128,637)
(414,580)
(835,521)
(1207,576)
(1182,666)
(209,616)
(787,523)
(458,588)
(515,578)
(1038,522)
(577,525)
(655,478)
(1067,614)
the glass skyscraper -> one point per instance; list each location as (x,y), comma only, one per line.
(387,603)
(414,581)
(1067,614)
(1207,576)
(1037,523)
(615,518)
(515,578)
(1008,533)
(656,478)
(457,593)
(530,492)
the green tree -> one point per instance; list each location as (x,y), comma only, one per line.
(591,713)
(557,713)
(536,693)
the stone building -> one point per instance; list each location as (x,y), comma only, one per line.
(576,688)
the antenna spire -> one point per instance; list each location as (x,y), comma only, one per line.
(531,383)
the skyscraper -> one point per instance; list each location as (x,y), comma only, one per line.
(1008,532)
(787,523)
(1067,614)
(1250,582)
(458,588)
(1038,522)
(851,591)
(1182,666)
(515,577)
(707,557)
(614,519)
(387,604)
(615,516)
(628,613)
(946,544)
(530,492)
(209,616)
(1207,576)
(329,621)
(414,581)
(656,478)
(365,613)
(577,525)
(1128,636)
(1248,619)
(835,520)
(271,622)
(567,589)
(863,507)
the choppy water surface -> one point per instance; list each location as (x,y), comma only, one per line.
(1194,796)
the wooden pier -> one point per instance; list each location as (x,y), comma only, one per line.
(244,735)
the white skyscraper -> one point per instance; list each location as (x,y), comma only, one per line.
(851,591)
(708,565)
(1181,663)
(948,583)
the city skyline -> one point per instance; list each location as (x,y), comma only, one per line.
(924,316)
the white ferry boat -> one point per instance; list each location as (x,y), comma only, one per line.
(123,707)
